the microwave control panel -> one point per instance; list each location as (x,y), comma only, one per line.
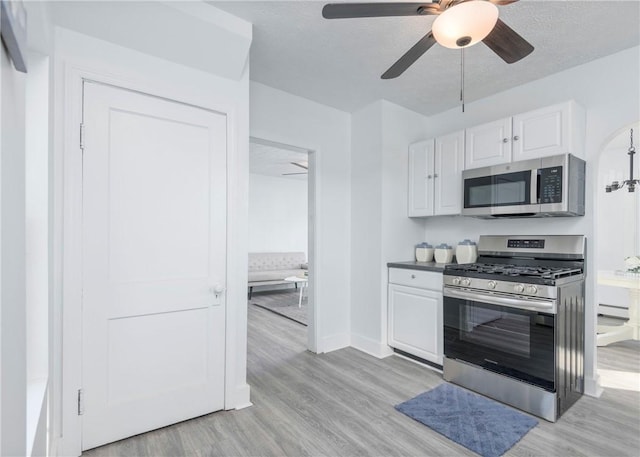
(550,189)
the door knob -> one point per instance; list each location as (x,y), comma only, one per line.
(516,138)
(217,290)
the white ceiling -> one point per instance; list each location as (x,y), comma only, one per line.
(185,32)
(274,160)
(339,62)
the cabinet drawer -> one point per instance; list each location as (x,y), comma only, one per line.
(416,278)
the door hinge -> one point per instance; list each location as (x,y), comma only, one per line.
(80,402)
(82,136)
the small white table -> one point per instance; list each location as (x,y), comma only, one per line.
(303,285)
(608,334)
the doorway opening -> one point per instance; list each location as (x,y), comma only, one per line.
(281,235)
(618,238)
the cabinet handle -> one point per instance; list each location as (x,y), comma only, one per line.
(428,176)
(413,276)
(505,140)
(435,175)
(516,138)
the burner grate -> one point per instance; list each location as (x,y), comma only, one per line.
(543,272)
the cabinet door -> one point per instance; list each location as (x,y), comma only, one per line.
(415,321)
(421,179)
(543,132)
(449,160)
(488,144)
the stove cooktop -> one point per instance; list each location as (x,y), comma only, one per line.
(508,272)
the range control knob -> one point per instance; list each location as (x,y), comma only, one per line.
(455,281)
(466,282)
(519,288)
(492,284)
(532,290)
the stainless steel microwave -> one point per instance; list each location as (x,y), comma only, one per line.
(548,186)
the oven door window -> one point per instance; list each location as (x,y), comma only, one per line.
(509,341)
(507,189)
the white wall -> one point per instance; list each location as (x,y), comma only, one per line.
(366,229)
(608,89)
(13,345)
(618,222)
(37,250)
(277,214)
(381,230)
(76,55)
(287,119)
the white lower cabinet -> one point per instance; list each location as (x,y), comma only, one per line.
(415,313)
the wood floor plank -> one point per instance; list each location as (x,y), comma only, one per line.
(342,404)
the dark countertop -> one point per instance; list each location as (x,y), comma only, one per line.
(413,265)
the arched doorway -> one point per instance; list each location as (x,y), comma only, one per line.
(618,236)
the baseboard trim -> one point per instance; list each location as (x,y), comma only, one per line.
(592,386)
(334,342)
(54,445)
(370,346)
(243,397)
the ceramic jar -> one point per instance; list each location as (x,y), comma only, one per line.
(443,253)
(466,252)
(424,252)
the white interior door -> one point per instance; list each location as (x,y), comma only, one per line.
(154,253)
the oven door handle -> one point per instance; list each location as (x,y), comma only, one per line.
(519,303)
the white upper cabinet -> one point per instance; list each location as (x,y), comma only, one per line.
(488,144)
(447,179)
(435,176)
(435,166)
(553,130)
(545,132)
(421,170)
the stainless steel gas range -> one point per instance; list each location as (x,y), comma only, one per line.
(514,322)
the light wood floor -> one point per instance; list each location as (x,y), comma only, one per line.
(341,404)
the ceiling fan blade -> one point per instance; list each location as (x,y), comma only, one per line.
(352,10)
(410,56)
(505,42)
(502,2)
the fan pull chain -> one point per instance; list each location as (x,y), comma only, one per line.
(462,77)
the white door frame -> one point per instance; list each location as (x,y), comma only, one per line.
(312,233)
(67,325)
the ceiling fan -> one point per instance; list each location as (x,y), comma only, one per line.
(460,24)
(302,165)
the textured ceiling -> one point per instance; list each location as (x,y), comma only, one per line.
(339,62)
(271,160)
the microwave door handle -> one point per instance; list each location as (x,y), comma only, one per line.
(535,187)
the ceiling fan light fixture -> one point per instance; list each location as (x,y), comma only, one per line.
(465,24)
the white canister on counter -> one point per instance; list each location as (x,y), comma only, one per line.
(424,252)
(466,252)
(443,253)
